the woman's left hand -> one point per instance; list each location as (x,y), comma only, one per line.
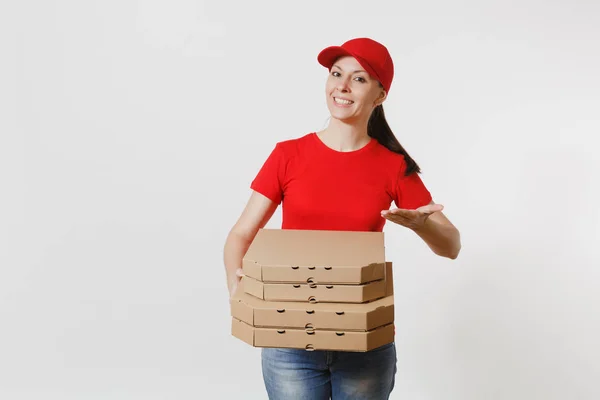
(412,219)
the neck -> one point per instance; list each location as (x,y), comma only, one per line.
(344,136)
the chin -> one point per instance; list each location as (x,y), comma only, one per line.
(341,114)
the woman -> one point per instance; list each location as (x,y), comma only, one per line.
(344,177)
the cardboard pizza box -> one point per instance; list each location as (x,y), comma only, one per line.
(313,339)
(322,326)
(313,293)
(315,257)
(288,314)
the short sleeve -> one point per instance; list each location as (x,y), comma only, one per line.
(269,180)
(411,192)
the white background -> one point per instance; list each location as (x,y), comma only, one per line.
(130,132)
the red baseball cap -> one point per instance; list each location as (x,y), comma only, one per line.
(372,55)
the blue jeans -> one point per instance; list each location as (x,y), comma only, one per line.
(297,374)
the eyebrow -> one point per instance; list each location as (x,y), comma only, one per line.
(358,70)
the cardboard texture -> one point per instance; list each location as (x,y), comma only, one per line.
(314,293)
(256,321)
(321,257)
(313,339)
(349,317)
(356,314)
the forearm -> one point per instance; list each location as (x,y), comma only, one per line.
(235,248)
(442,239)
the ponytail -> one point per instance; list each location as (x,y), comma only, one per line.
(379,129)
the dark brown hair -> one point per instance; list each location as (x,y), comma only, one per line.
(379,129)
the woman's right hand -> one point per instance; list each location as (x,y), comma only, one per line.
(256,214)
(234,282)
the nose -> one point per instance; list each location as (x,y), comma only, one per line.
(342,85)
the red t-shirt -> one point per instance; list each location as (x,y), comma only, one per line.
(324,189)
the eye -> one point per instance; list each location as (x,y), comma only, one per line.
(361,79)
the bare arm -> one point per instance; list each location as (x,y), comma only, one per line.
(431,225)
(256,214)
(441,235)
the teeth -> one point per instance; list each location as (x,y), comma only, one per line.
(340,101)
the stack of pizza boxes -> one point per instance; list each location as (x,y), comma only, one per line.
(315,290)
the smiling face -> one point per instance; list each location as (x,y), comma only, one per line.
(351,92)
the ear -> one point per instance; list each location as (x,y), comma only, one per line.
(381,98)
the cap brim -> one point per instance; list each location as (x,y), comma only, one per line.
(328,56)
